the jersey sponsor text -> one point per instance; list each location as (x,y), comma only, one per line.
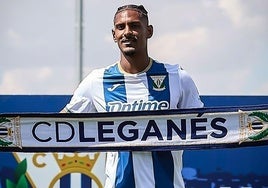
(118,106)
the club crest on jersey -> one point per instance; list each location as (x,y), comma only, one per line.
(158,82)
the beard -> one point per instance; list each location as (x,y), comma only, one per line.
(128,45)
(129,51)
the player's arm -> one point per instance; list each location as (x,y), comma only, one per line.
(81,101)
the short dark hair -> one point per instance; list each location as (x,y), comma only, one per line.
(139,8)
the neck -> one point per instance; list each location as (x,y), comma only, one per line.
(134,65)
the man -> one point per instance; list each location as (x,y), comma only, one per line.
(135,83)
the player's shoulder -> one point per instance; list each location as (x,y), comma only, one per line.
(99,72)
(170,67)
(177,69)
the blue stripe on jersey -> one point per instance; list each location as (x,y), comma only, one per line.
(158,86)
(124,172)
(113,86)
(163,169)
(158,83)
(159,89)
(115,90)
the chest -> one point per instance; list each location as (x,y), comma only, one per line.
(131,88)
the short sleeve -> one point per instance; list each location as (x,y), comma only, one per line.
(81,101)
(189,96)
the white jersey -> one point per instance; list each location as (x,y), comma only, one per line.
(159,87)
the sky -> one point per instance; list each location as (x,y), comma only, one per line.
(222,44)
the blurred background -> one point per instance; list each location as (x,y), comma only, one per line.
(222,44)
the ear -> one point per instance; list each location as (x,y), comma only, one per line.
(150,31)
(113,33)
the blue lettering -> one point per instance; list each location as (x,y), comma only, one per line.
(214,125)
(133,132)
(82,133)
(171,126)
(195,128)
(102,131)
(155,132)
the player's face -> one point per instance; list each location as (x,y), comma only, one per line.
(131,32)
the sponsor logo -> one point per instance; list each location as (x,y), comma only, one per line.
(114,87)
(118,106)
